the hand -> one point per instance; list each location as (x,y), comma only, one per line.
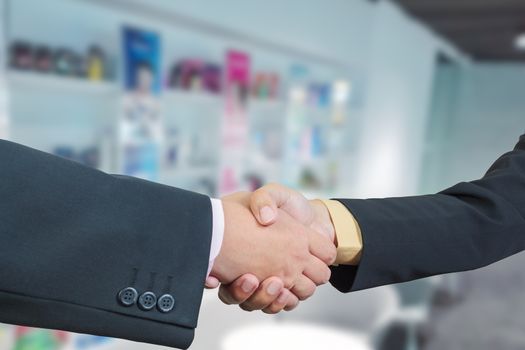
(264,204)
(266,201)
(295,254)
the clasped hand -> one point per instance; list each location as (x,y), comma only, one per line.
(276,236)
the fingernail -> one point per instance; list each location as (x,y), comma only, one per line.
(266,214)
(274,288)
(282,298)
(248,286)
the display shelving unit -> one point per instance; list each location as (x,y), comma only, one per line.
(48,110)
(45,81)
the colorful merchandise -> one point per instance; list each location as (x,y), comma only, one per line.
(141,60)
(140,124)
(21,56)
(235,122)
(195,75)
(96,63)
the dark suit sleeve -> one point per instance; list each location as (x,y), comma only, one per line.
(468,226)
(72,237)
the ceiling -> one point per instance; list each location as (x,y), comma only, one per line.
(486,29)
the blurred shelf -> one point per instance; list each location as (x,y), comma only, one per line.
(191,97)
(64,84)
(260,104)
(189,171)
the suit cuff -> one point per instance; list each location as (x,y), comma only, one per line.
(217,234)
(347,232)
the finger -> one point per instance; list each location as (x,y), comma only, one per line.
(267,293)
(292,303)
(280,303)
(321,247)
(303,288)
(211,282)
(317,271)
(239,290)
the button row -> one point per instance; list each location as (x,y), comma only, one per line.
(147,300)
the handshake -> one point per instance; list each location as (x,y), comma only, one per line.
(276,249)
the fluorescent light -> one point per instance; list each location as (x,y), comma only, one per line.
(519,42)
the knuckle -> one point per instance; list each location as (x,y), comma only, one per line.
(271,310)
(328,275)
(322,276)
(302,297)
(331,256)
(246,307)
(288,283)
(306,293)
(291,306)
(225,299)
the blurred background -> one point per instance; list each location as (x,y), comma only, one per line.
(346,98)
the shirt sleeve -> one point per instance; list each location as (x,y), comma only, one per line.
(217,231)
(347,232)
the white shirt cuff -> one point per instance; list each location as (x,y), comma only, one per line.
(217,233)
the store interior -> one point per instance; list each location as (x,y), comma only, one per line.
(339,98)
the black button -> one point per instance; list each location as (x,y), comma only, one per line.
(166,303)
(147,300)
(128,296)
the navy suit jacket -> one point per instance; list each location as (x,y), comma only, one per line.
(72,238)
(467,226)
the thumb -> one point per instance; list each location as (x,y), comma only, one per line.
(266,200)
(264,203)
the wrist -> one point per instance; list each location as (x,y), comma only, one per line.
(229,262)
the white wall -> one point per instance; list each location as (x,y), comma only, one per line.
(489,120)
(333,28)
(399,87)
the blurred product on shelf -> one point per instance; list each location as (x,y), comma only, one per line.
(68,63)
(319,94)
(65,152)
(62,61)
(172,147)
(265,85)
(140,123)
(212,78)
(89,156)
(95,63)
(268,141)
(195,75)
(43,60)
(21,55)
(235,125)
(142,53)
(238,65)
(309,180)
(91,342)
(254,181)
(27,338)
